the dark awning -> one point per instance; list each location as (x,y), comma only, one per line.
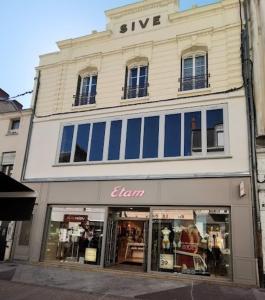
(16,200)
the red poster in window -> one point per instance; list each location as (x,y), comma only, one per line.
(75,218)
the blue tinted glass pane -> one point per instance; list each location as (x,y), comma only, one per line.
(115,140)
(97,142)
(151,136)
(134,72)
(215,130)
(143,71)
(66,144)
(85,86)
(93,90)
(133,138)
(94,79)
(172,135)
(188,62)
(142,81)
(199,61)
(82,142)
(192,134)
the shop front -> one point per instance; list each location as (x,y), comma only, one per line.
(199,227)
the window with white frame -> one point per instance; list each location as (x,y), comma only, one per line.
(8,160)
(14,126)
(194,73)
(86,89)
(164,135)
(136,80)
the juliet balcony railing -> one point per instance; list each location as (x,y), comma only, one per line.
(188,83)
(135,91)
(84,99)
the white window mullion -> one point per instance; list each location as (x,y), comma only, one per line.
(123,139)
(137,82)
(161,143)
(204,132)
(89,87)
(73,143)
(106,141)
(89,141)
(182,134)
(193,71)
(226,131)
(142,138)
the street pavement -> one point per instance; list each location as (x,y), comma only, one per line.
(32,282)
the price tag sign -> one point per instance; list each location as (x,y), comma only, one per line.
(166,261)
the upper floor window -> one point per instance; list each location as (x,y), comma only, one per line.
(136,79)
(8,160)
(14,126)
(86,89)
(194,73)
(163,135)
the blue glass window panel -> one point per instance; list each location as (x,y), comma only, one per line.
(97,141)
(151,137)
(172,135)
(85,86)
(66,144)
(115,140)
(82,142)
(215,130)
(192,133)
(143,71)
(133,138)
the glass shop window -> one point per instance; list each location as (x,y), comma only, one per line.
(192,241)
(75,235)
(172,135)
(215,130)
(151,136)
(66,144)
(82,142)
(115,140)
(192,134)
(97,141)
(133,138)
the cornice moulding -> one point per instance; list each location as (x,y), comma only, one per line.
(119,12)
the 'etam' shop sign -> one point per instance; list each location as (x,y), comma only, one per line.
(122,192)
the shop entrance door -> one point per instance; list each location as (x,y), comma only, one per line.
(127,239)
(6,239)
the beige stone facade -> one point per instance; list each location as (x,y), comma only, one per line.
(157,36)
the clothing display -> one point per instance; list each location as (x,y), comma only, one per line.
(198,244)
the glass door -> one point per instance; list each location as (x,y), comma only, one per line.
(111,242)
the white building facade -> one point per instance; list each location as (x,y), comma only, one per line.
(139,148)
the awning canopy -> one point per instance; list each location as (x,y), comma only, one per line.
(16,200)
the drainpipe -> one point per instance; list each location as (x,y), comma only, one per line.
(248,83)
(37,78)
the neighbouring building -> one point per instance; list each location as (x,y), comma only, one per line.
(256,13)
(139,147)
(14,124)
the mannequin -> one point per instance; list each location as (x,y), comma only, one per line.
(166,242)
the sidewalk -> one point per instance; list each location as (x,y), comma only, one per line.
(30,282)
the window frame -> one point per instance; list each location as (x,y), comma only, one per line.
(161,136)
(138,67)
(13,130)
(88,96)
(193,55)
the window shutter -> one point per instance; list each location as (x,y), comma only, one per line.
(125,83)
(77,90)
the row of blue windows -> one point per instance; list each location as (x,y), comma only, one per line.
(142,137)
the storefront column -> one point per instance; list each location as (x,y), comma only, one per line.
(102,258)
(38,223)
(149,254)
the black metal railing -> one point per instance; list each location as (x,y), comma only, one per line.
(188,83)
(84,99)
(136,91)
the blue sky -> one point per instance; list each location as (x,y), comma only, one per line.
(29,28)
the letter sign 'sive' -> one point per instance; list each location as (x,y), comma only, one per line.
(140,24)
